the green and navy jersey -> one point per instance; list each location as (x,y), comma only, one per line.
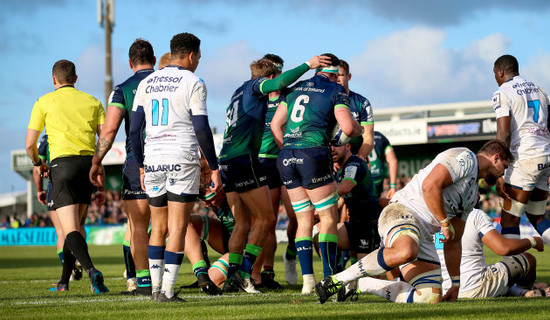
(377,157)
(357,199)
(226,216)
(310,115)
(44,149)
(245,121)
(269,148)
(122,96)
(360,108)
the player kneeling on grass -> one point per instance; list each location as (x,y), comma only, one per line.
(515,275)
(437,197)
(356,187)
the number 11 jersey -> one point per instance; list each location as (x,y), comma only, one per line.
(169,98)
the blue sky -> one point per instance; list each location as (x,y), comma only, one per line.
(401,52)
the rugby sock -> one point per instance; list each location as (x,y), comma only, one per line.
(290,254)
(304,247)
(510,232)
(251,253)
(68,264)
(171,268)
(143,278)
(344,259)
(79,249)
(543,228)
(516,291)
(60,255)
(128,260)
(200,267)
(235,260)
(372,264)
(205,253)
(156,265)
(269,271)
(328,245)
(395,291)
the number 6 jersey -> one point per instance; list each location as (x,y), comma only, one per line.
(310,115)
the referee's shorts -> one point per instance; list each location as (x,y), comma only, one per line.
(70,181)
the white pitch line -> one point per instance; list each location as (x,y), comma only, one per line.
(48,281)
(106,299)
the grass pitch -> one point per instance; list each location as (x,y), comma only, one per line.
(27,272)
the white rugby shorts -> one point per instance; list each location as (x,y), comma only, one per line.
(396,214)
(529,173)
(493,280)
(164,175)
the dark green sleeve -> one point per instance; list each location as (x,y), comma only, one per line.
(285,79)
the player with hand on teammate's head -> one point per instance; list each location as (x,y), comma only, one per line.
(301,127)
(521,109)
(171,104)
(244,181)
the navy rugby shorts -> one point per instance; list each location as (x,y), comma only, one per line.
(308,168)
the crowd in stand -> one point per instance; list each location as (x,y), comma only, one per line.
(112,211)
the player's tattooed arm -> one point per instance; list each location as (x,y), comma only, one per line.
(113,119)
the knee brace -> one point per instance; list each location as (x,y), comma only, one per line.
(523,263)
(403,230)
(427,287)
(536,208)
(516,207)
(327,202)
(302,206)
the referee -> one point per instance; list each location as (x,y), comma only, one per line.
(72,119)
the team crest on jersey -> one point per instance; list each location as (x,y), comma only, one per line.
(350,172)
(310,84)
(496,101)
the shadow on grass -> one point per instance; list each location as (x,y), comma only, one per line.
(33,262)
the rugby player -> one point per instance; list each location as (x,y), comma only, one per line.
(381,153)
(141,59)
(268,160)
(312,107)
(243,179)
(361,110)
(479,280)
(216,232)
(171,104)
(438,197)
(521,109)
(356,187)
(72,119)
(165,60)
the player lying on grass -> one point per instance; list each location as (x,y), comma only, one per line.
(515,275)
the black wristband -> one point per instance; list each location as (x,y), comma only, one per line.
(37,164)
